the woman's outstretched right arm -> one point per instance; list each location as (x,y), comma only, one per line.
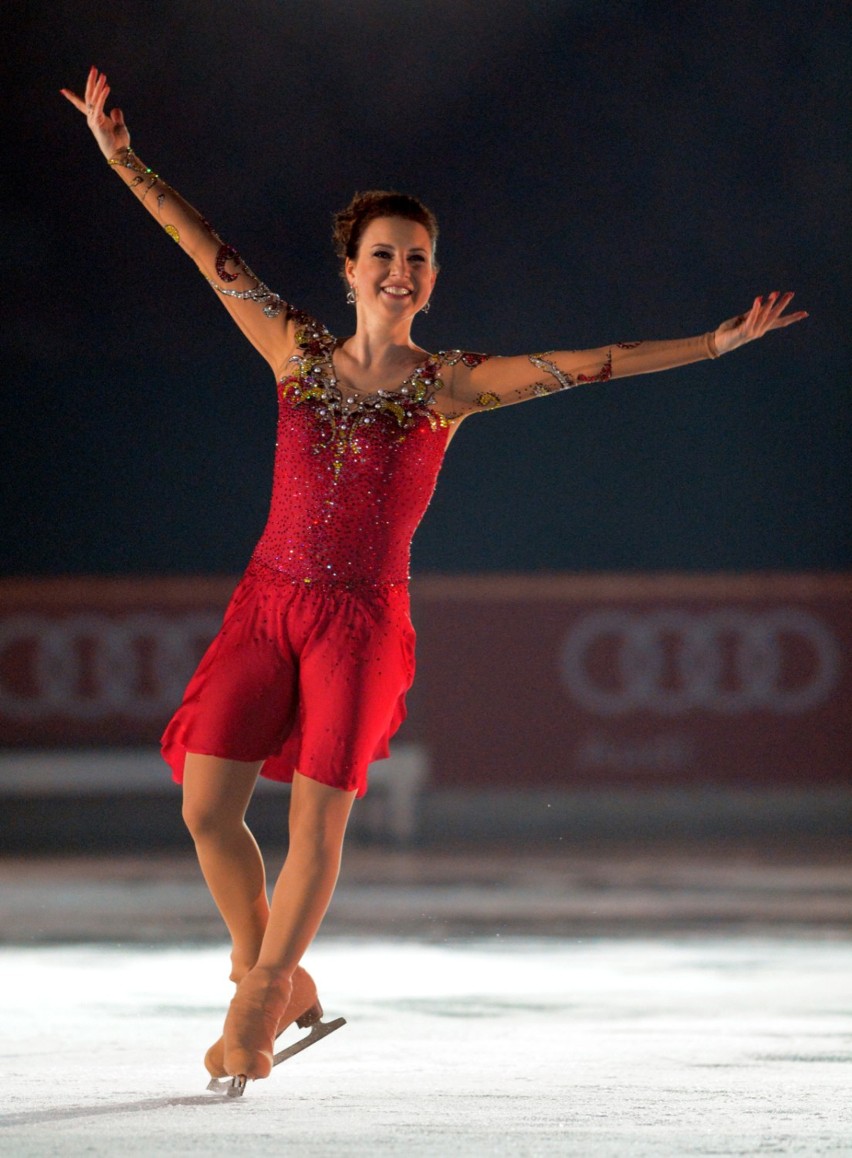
(261,315)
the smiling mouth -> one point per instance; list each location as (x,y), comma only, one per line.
(397,291)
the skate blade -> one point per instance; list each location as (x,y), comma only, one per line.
(319,1030)
(230,1087)
(235,1087)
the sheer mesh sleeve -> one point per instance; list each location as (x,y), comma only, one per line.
(264,317)
(478,382)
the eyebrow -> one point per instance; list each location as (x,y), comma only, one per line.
(390,245)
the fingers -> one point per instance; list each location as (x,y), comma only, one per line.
(83,103)
(108,128)
(750,321)
(777,302)
(94,86)
(97,90)
(76,101)
(91,81)
(788,320)
(774,319)
(99,96)
(780,304)
(766,314)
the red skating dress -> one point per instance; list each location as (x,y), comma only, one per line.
(316,652)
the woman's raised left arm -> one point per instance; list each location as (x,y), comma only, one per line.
(501,381)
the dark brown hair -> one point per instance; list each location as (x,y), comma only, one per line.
(350,223)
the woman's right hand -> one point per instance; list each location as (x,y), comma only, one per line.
(108,129)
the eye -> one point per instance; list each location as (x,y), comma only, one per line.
(418,257)
(383,254)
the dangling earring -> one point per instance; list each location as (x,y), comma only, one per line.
(427,307)
(352,296)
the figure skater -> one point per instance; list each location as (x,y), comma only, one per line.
(306,680)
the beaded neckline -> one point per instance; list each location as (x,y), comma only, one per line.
(427,370)
(313,379)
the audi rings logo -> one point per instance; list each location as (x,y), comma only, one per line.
(728,661)
(88,665)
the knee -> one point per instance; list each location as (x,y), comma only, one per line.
(207,820)
(216,794)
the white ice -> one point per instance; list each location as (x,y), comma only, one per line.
(616,1046)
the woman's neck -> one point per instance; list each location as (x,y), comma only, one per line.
(378,344)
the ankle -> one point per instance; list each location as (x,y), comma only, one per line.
(239,968)
(271,977)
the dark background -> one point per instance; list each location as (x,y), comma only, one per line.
(600,171)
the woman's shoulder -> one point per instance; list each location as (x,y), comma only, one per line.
(309,331)
(461,357)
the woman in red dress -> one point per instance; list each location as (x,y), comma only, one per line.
(306,680)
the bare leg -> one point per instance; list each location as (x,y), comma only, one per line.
(318,818)
(216,794)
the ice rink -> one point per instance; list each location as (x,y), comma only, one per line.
(498,1003)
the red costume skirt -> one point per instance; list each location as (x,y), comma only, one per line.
(308,678)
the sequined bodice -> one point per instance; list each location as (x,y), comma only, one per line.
(353,474)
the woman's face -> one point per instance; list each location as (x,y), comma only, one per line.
(393,274)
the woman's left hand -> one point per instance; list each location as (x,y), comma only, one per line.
(765,314)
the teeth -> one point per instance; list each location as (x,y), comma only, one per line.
(396,291)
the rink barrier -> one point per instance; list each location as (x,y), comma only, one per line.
(557,682)
(103,797)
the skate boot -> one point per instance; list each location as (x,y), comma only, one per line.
(251,1026)
(303,1008)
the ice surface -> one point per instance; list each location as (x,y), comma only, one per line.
(647,1047)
